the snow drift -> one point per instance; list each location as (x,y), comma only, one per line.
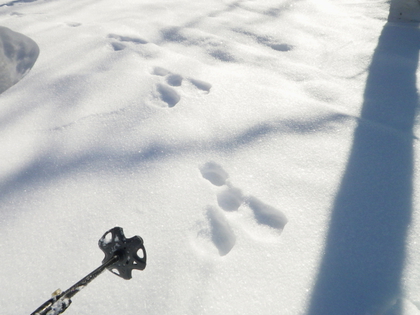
(18,54)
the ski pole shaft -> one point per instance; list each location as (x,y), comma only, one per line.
(60,302)
(70,292)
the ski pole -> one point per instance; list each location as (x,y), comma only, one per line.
(121,257)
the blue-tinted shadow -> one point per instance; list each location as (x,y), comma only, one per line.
(360,272)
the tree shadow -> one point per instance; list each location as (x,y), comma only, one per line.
(364,255)
(52,165)
(12,3)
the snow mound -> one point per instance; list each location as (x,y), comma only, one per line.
(18,54)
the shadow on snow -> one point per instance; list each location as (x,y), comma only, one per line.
(361,269)
(47,167)
(12,3)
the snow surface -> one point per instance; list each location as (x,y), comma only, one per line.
(18,54)
(404,11)
(264,150)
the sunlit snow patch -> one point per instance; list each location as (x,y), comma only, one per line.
(18,54)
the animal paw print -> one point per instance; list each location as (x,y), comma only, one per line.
(73,24)
(230,198)
(167,91)
(221,233)
(120,42)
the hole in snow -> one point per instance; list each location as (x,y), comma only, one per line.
(135,40)
(214,173)
(174,80)
(266,214)
(160,71)
(204,86)
(222,235)
(281,47)
(168,95)
(230,199)
(118,46)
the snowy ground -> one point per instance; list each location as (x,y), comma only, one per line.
(264,150)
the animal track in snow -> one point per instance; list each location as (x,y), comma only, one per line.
(214,173)
(201,85)
(266,40)
(160,71)
(281,47)
(167,92)
(221,233)
(174,79)
(119,41)
(266,214)
(229,199)
(17,14)
(73,24)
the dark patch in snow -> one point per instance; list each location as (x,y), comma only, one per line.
(17,14)
(160,71)
(266,214)
(222,55)
(214,173)
(276,12)
(204,86)
(281,47)
(222,235)
(119,43)
(118,46)
(135,40)
(404,11)
(168,94)
(172,34)
(365,253)
(230,199)
(12,3)
(174,79)
(73,24)
(265,40)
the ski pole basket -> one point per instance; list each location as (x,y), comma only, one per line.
(122,255)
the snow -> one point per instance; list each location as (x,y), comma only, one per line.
(265,151)
(17,56)
(404,11)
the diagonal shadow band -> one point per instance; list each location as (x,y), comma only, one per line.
(360,272)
